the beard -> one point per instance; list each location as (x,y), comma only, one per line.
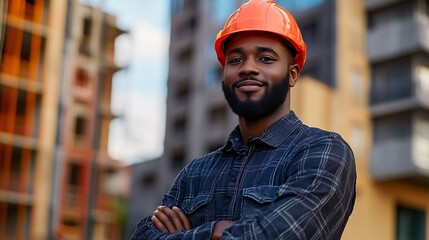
(253,110)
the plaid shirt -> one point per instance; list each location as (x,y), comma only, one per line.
(292,182)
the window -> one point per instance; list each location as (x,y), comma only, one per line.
(177,6)
(73,184)
(180,125)
(221,10)
(84,47)
(391,127)
(311,37)
(21,103)
(70,222)
(410,223)
(29,9)
(87,26)
(182,90)
(26,46)
(213,76)
(15,168)
(148,180)
(80,129)
(82,78)
(395,13)
(178,159)
(12,219)
(185,55)
(391,81)
(299,5)
(218,114)
(75,174)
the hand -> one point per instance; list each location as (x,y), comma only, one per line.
(219,227)
(170,220)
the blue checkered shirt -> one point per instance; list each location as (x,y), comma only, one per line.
(292,182)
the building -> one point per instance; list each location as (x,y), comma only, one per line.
(55,85)
(145,193)
(397,186)
(366,77)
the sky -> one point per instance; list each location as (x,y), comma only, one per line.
(139,91)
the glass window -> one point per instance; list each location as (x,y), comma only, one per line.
(177,6)
(391,127)
(75,174)
(178,159)
(80,130)
(26,46)
(82,78)
(410,223)
(222,10)
(218,114)
(213,76)
(395,13)
(12,219)
(391,81)
(299,5)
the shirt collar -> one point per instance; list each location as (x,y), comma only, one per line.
(273,136)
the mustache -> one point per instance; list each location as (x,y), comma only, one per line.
(235,83)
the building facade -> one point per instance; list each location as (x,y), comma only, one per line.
(55,86)
(366,77)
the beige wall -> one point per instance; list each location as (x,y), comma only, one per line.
(48,119)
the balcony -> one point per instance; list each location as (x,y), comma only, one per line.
(399,87)
(404,153)
(374,4)
(397,38)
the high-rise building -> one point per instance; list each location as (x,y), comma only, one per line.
(55,86)
(366,77)
(394,196)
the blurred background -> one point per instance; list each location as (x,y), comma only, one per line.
(102,102)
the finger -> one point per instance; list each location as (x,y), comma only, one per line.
(183,218)
(158,224)
(165,221)
(172,215)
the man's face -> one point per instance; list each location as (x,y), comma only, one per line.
(256,74)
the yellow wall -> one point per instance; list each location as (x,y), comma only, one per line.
(344,109)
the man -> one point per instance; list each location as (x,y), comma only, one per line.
(275,178)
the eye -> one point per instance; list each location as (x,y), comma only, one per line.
(234,60)
(267,59)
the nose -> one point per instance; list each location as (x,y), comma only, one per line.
(249,68)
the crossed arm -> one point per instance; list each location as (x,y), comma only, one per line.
(174,219)
(315,202)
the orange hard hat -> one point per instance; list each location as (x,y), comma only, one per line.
(262,15)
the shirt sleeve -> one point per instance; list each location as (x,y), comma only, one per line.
(146,229)
(314,202)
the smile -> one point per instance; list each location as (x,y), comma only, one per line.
(249,85)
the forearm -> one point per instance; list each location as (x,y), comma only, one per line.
(146,230)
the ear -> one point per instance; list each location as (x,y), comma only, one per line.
(293,74)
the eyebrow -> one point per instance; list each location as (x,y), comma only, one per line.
(259,49)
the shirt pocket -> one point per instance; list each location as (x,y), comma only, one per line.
(257,198)
(197,208)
